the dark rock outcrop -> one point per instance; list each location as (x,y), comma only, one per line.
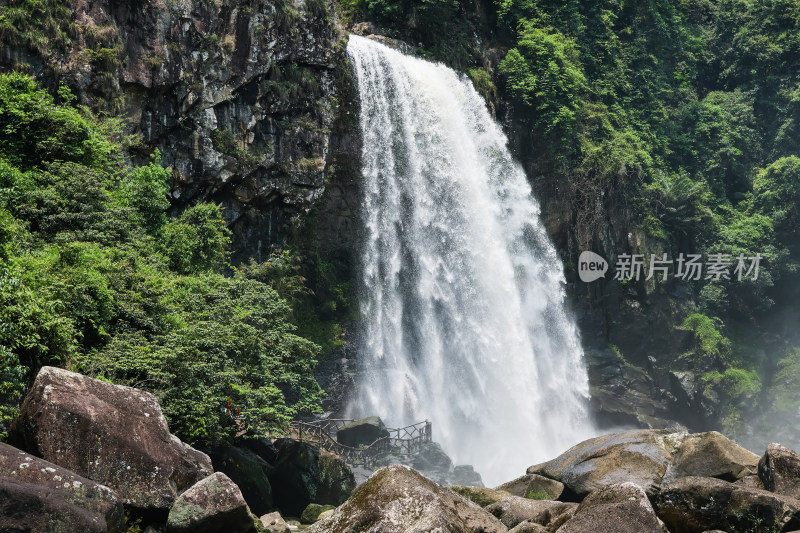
(397,498)
(697,504)
(250,473)
(465,475)
(622,508)
(111,434)
(241,100)
(211,505)
(433,461)
(779,470)
(362,432)
(303,474)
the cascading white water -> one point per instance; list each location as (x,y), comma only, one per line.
(462,291)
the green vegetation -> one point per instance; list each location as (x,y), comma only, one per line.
(95,277)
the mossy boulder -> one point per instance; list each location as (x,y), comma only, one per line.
(533,486)
(312,511)
(697,504)
(398,498)
(622,508)
(480,495)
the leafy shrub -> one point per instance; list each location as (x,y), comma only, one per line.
(197,241)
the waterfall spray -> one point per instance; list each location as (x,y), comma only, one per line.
(461,289)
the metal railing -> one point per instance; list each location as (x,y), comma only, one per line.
(404,441)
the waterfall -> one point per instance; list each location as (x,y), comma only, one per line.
(462,292)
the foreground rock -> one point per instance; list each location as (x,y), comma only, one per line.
(362,432)
(697,504)
(779,470)
(29,507)
(480,495)
(533,486)
(514,510)
(646,458)
(111,434)
(26,479)
(710,454)
(529,526)
(274,523)
(211,505)
(397,498)
(303,474)
(622,508)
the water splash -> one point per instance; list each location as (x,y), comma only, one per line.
(462,291)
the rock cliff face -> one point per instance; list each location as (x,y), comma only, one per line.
(241,98)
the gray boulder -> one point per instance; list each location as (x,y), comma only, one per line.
(362,432)
(465,475)
(534,486)
(514,510)
(639,456)
(779,470)
(529,526)
(398,498)
(432,458)
(274,523)
(111,434)
(647,458)
(212,505)
(710,454)
(312,511)
(697,504)
(622,508)
(753,482)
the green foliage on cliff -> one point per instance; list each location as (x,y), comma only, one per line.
(95,276)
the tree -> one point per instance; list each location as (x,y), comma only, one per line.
(145,191)
(197,241)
